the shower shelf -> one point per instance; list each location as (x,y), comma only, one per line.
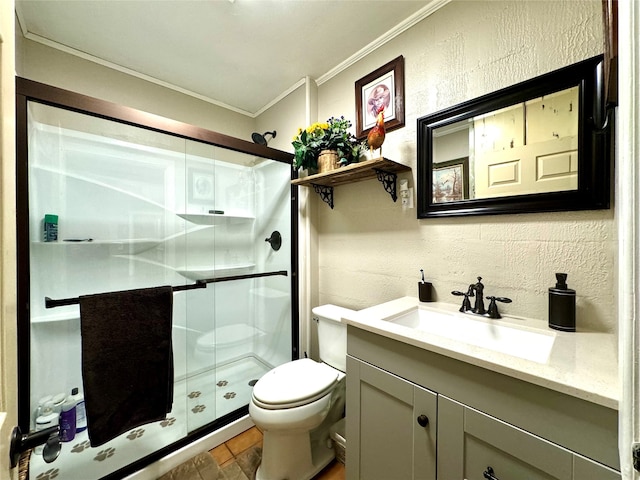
(205,272)
(213,218)
(56,317)
(383,169)
(130,246)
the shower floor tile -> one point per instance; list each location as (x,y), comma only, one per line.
(197,401)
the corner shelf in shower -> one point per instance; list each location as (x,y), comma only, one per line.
(131,246)
(55,317)
(206,272)
(213,218)
(385,170)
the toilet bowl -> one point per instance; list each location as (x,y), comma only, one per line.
(296,403)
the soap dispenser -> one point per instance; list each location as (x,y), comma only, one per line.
(562,305)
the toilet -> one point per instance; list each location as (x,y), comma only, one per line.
(295,404)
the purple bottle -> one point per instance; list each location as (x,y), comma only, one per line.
(68,420)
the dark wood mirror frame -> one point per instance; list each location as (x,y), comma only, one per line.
(595,126)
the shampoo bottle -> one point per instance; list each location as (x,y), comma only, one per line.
(50,228)
(81,415)
(562,305)
(68,420)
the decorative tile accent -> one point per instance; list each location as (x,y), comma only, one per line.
(104,454)
(78,460)
(229,395)
(48,475)
(167,422)
(81,447)
(222,383)
(137,433)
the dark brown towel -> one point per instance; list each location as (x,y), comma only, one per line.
(127,360)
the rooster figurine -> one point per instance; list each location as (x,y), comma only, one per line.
(375,138)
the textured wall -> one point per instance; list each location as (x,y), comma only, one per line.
(371,251)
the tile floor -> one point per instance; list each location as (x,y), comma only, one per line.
(239,458)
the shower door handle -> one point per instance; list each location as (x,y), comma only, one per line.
(21,442)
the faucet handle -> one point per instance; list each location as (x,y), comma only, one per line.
(493,307)
(466,304)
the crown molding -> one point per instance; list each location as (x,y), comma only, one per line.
(417,17)
(420,15)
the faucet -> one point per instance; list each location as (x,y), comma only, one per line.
(477,290)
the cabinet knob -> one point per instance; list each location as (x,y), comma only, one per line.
(423,420)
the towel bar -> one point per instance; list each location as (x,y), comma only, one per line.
(51,303)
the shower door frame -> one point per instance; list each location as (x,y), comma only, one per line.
(28,90)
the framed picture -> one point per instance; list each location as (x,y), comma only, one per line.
(451,180)
(201,186)
(610,23)
(383,87)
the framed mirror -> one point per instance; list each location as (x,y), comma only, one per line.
(541,145)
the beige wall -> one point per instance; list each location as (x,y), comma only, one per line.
(8,300)
(41,63)
(371,251)
(285,117)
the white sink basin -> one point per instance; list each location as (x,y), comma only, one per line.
(482,332)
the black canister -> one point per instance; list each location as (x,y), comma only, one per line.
(562,305)
(425,292)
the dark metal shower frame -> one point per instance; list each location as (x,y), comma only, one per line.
(29,90)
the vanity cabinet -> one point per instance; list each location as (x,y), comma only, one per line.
(397,423)
(480,422)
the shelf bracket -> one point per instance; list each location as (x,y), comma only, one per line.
(388,182)
(326,193)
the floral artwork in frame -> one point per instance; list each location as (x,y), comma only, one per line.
(383,87)
(451,180)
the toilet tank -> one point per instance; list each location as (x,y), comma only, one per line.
(332,334)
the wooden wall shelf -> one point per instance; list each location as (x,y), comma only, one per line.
(383,169)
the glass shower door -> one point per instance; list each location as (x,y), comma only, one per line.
(135,209)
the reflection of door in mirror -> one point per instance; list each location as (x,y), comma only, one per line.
(527,148)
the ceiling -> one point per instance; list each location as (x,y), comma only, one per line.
(240,54)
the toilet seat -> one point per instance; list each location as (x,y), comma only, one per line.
(295,383)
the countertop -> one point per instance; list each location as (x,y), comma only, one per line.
(583,364)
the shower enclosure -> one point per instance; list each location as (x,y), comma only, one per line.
(141,202)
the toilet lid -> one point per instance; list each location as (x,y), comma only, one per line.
(294,382)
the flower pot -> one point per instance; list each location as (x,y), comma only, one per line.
(327,161)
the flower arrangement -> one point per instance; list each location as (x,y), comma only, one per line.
(330,135)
